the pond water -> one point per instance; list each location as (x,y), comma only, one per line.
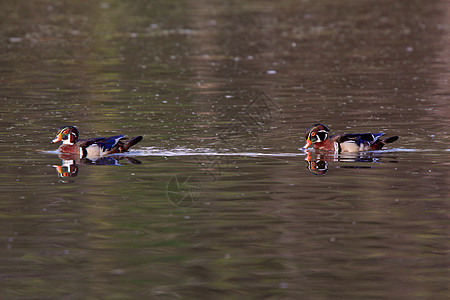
(218,201)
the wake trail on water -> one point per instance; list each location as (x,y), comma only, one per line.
(182,151)
(155,151)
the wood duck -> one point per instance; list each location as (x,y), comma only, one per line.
(70,162)
(94,147)
(318,135)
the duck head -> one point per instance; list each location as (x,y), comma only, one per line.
(316,134)
(66,134)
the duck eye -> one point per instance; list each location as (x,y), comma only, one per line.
(313,133)
(66,131)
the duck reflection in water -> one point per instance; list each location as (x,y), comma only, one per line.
(69,163)
(318,162)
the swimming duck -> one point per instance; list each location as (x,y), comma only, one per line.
(93,147)
(318,136)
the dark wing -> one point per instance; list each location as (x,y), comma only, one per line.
(358,138)
(108,143)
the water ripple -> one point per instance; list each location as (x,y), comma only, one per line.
(183,151)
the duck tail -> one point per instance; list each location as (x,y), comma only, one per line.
(380,143)
(130,143)
(389,140)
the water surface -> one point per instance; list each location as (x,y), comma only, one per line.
(218,201)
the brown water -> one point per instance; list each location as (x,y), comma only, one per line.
(218,201)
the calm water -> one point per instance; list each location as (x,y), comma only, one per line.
(217,201)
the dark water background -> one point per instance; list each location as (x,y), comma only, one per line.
(223,204)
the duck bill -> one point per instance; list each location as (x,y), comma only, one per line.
(58,168)
(61,172)
(56,139)
(308,143)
